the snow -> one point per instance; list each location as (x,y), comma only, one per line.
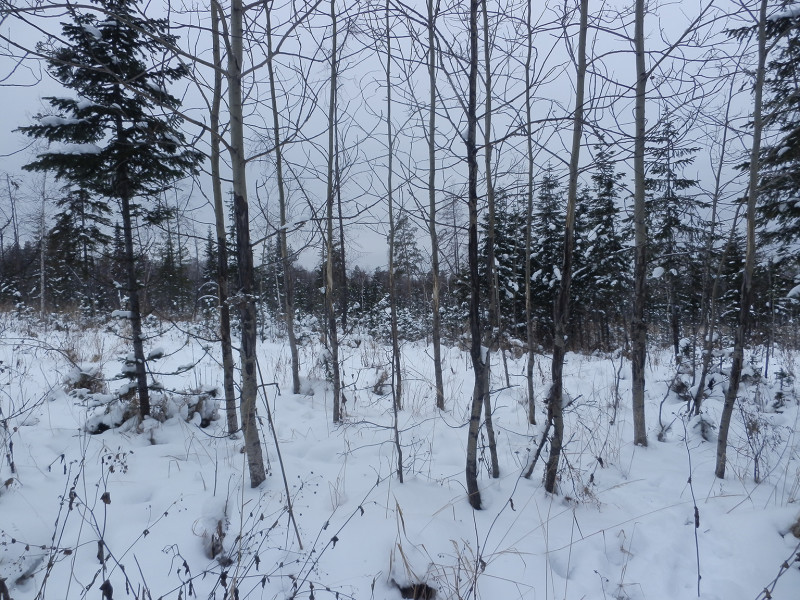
(789,12)
(55,121)
(84,104)
(76,149)
(165,494)
(657,273)
(93,31)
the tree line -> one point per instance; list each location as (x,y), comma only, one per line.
(555,221)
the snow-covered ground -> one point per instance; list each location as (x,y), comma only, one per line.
(623,525)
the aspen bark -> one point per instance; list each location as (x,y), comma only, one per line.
(529,220)
(561,308)
(397,377)
(436,334)
(288,280)
(219,223)
(333,337)
(244,253)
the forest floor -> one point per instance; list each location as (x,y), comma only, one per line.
(138,512)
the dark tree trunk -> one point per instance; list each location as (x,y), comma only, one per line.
(133,294)
(123,191)
(638,324)
(493,329)
(478,364)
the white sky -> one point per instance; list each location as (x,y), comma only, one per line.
(362,105)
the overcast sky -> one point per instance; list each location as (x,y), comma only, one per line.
(362,100)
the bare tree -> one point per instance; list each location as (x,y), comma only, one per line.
(244,250)
(397,376)
(555,398)
(493,329)
(288,278)
(436,334)
(638,324)
(747,273)
(330,291)
(480,390)
(529,329)
(219,223)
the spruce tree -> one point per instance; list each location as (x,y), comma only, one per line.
(676,230)
(547,251)
(779,159)
(119,137)
(77,236)
(509,253)
(603,274)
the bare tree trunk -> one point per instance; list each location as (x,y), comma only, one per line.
(333,338)
(288,279)
(493,329)
(342,283)
(749,261)
(529,219)
(555,407)
(638,324)
(222,241)
(244,253)
(478,363)
(436,334)
(397,377)
(396,374)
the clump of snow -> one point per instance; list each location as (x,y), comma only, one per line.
(76,149)
(56,121)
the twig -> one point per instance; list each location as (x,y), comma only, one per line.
(766,594)
(694,502)
(529,470)
(280,457)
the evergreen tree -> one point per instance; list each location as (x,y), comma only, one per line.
(120,137)
(408,263)
(76,238)
(602,277)
(209,272)
(509,253)
(547,251)
(676,231)
(170,289)
(779,161)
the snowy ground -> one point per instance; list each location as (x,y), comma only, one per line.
(622,527)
